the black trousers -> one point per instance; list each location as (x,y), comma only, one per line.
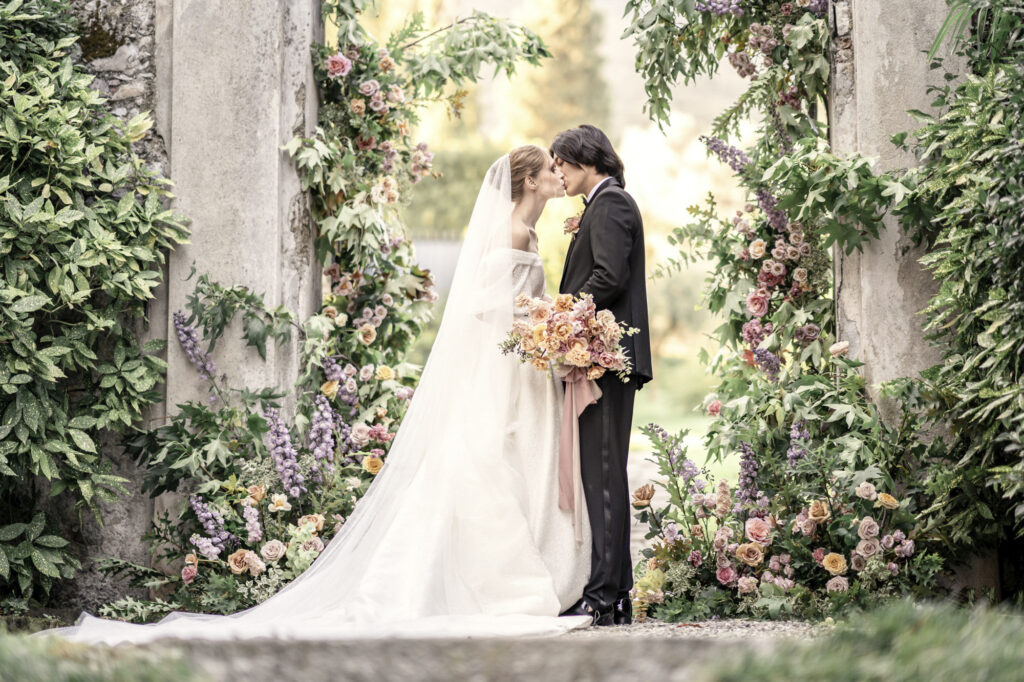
(604,446)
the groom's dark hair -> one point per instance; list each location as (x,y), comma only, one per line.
(587,145)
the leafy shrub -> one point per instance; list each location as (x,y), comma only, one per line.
(82,244)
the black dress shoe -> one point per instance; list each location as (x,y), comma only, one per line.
(622,611)
(583,608)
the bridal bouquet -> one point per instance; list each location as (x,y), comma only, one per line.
(569,336)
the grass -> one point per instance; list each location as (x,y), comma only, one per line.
(901,642)
(31,659)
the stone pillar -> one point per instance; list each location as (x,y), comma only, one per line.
(234,84)
(879,71)
(228,83)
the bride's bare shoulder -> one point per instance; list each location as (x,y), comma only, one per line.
(521,237)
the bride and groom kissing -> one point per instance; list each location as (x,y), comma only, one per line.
(464,531)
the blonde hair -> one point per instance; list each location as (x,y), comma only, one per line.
(525,162)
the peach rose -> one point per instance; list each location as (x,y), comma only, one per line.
(367,334)
(819,512)
(642,496)
(316,519)
(237,562)
(750,553)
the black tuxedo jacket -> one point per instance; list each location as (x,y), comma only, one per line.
(606,260)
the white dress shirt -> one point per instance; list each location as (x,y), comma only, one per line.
(593,190)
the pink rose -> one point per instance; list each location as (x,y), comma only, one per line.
(572,225)
(757,304)
(338,65)
(747,584)
(189,573)
(366,144)
(726,575)
(818,555)
(715,408)
(758,531)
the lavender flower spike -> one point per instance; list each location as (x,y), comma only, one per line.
(212,522)
(283,453)
(321,437)
(726,153)
(189,340)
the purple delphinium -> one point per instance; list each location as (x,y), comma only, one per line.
(768,362)
(321,437)
(818,6)
(333,370)
(283,453)
(212,522)
(776,218)
(681,466)
(189,340)
(747,491)
(799,435)
(726,153)
(720,7)
(252,523)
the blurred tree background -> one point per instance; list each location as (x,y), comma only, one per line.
(589,79)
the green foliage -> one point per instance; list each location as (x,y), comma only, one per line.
(984,31)
(32,659)
(902,641)
(82,245)
(967,200)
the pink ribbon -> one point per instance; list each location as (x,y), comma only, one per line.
(580,392)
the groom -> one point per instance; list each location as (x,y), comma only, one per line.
(606,260)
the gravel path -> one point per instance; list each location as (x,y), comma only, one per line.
(717,629)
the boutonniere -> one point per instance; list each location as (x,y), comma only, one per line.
(572,225)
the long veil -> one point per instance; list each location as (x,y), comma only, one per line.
(415,557)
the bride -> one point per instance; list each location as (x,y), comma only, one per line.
(461,533)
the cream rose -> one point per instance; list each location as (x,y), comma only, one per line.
(869,547)
(866,491)
(385,373)
(273,550)
(868,528)
(757,248)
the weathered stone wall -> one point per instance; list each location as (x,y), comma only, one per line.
(228,82)
(879,71)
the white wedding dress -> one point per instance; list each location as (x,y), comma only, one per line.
(461,533)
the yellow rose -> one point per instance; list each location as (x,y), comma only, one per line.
(750,553)
(373,464)
(834,563)
(887,501)
(819,512)
(540,333)
(330,389)
(385,373)
(237,562)
(563,303)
